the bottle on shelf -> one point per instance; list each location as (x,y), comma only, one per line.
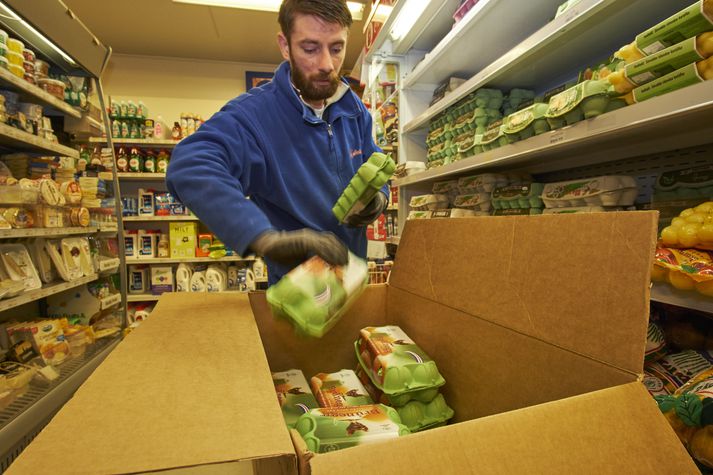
(150,162)
(135,161)
(122,160)
(176,131)
(162,161)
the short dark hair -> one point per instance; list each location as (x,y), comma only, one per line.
(331,11)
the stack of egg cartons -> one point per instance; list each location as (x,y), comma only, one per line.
(475,193)
(602,193)
(437,142)
(515,100)
(423,206)
(396,372)
(519,199)
(487,108)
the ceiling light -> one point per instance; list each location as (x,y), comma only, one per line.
(409,14)
(14,16)
(355,8)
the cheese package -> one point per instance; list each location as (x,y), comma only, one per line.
(314,295)
(394,363)
(293,395)
(330,429)
(368,180)
(48,339)
(340,389)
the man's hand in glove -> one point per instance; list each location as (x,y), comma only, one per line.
(370,212)
(295,247)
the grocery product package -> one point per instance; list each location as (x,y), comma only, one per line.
(330,429)
(314,295)
(293,395)
(340,389)
(368,180)
(685,269)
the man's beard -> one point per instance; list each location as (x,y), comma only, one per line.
(307,87)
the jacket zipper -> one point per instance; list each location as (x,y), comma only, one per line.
(331,148)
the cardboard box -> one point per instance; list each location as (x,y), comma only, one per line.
(182,237)
(538,325)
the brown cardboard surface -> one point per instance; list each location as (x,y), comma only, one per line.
(173,394)
(491,369)
(334,351)
(579,281)
(613,431)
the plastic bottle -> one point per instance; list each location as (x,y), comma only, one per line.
(162,161)
(184,124)
(123,109)
(135,161)
(176,131)
(158,131)
(184,273)
(163,246)
(115,128)
(122,160)
(150,162)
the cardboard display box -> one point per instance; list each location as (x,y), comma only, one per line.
(538,325)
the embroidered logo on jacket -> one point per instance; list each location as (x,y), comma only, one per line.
(356,153)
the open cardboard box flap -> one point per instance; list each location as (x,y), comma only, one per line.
(190,389)
(538,325)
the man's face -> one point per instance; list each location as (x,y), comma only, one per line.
(316,52)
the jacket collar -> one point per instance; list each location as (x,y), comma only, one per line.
(342,99)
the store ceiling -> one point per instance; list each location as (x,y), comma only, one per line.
(165,28)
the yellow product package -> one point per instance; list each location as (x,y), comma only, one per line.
(685,269)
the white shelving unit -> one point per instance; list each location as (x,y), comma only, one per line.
(45,232)
(665,293)
(45,291)
(136,142)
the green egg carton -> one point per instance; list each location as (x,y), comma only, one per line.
(517,212)
(585,100)
(330,429)
(293,395)
(489,98)
(368,180)
(418,416)
(518,196)
(527,122)
(314,295)
(435,163)
(395,364)
(491,138)
(399,400)
(686,183)
(340,389)
(470,146)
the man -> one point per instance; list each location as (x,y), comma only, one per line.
(291,146)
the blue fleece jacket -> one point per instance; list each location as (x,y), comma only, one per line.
(268,145)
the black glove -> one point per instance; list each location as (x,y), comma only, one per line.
(295,247)
(370,212)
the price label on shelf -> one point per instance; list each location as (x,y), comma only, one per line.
(109,264)
(110,301)
(556,137)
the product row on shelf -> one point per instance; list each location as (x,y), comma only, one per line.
(130,120)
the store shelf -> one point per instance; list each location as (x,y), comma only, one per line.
(34,94)
(137,142)
(675,120)
(141,176)
(584,35)
(29,412)
(665,293)
(129,219)
(42,232)
(154,298)
(22,141)
(428,28)
(171,260)
(45,291)
(393,240)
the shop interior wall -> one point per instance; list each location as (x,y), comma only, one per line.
(170,86)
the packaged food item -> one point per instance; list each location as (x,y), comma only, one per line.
(687,23)
(398,400)
(42,69)
(18,71)
(455,213)
(418,416)
(293,394)
(527,122)
(49,341)
(340,389)
(687,183)
(685,269)
(579,209)
(612,190)
(15,58)
(495,137)
(314,295)
(52,86)
(370,177)
(688,75)
(659,64)
(409,168)
(428,202)
(475,201)
(18,265)
(419,215)
(693,228)
(518,196)
(329,429)
(395,364)
(654,385)
(485,182)
(655,343)
(583,101)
